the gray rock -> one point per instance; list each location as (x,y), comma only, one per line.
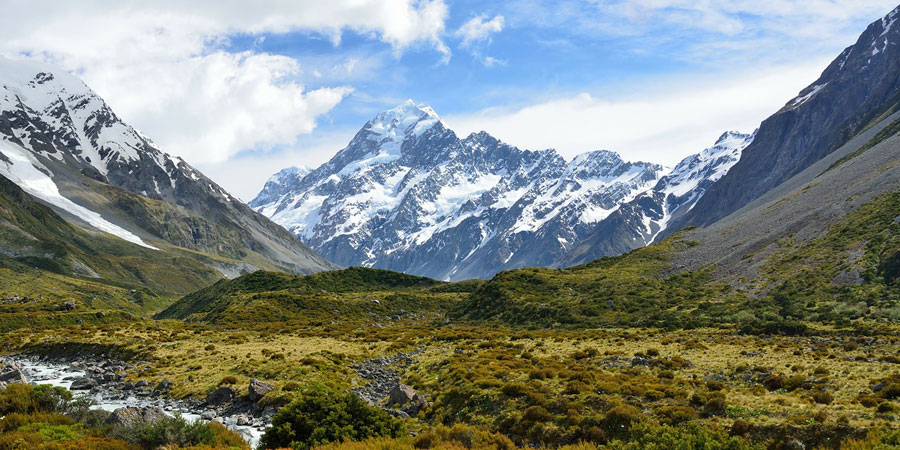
(258,389)
(83,384)
(164,386)
(68,306)
(133,416)
(401,395)
(242,420)
(220,395)
(208,415)
(11,373)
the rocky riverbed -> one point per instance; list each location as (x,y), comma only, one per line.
(107,383)
(104,382)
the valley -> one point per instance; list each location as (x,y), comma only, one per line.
(424,290)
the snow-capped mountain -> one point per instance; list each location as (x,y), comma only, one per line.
(407,194)
(61,143)
(639,222)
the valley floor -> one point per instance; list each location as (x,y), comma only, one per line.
(484,387)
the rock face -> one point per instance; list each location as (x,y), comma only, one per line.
(133,416)
(258,389)
(56,134)
(408,194)
(860,85)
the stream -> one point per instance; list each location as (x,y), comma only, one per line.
(61,374)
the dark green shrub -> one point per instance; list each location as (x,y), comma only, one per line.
(774,382)
(715,406)
(740,427)
(620,418)
(676,414)
(320,417)
(822,397)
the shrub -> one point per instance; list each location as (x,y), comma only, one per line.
(886,408)
(514,389)
(24,398)
(822,397)
(796,382)
(620,418)
(740,427)
(676,414)
(176,431)
(715,406)
(320,417)
(890,391)
(774,382)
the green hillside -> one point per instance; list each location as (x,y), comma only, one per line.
(354,293)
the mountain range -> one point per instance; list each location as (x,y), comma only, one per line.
(408,194)
(62,145)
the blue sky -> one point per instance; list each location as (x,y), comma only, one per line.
(242,90)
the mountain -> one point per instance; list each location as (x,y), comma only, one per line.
(859,88)
(642,220)
(64,146)
(407,194)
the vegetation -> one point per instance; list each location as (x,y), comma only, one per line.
(320,417)
(46,417)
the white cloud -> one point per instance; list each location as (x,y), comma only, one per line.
(479,29)
(162,68)
(661,122)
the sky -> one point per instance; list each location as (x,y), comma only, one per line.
(243,89)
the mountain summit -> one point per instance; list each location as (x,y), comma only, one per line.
(408,194)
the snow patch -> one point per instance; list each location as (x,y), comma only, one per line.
(22,170)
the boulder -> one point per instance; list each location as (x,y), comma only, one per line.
(164,386)
(135,416)
(401,395)
(68,306)
(259,389)
(11,373)
(220,395)
(83,384)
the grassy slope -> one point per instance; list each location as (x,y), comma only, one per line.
(47,261)
(348,293)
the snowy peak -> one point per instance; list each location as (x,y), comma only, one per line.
(397,124)
(407,194)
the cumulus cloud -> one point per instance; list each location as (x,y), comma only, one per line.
(163,67)
(662,123)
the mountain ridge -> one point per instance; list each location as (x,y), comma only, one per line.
(856,90)
(408,194)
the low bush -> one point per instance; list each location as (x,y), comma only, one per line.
(320,417)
